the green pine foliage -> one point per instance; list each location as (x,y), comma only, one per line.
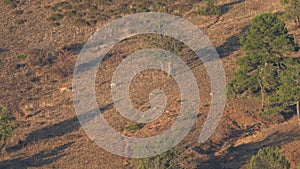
(166,160)
(268,35)
(21,56)
(288,92)
(130,126)
(6,129)
(259,73)
(269,158)
(246,78)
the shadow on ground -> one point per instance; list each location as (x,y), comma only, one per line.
(56,130)
(38,160)
(2,50)
(232,44)
(226,7)
(241,155)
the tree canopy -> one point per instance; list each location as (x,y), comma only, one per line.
(268,35)
(269,157)
(263,67)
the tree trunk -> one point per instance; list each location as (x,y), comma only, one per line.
(262,89)
(298,110)
(262,95)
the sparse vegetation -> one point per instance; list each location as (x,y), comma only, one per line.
(63,5)
(70,13)
(55,17)
(292,10)
(6,129)
(157,7)
(39,60)
(167,43)
(80,22)
(269,157)
(166,160)
(12,3)
(86,6)
(130,126)
(104,2)
(20,21)
(18,12)
(179,101)
(21,56)
(209,8)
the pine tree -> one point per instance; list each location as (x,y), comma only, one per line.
(265,43)
(269,157)
(288,92)
(268,36)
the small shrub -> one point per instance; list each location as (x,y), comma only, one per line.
(63,5)
(80,22)
(20,21)
(86,6)
(6,129)
(157,7)
(70,13)
(123,9)
(53,8)
(92,22)
(269,157)
(284,1)
(142,10)
(18,12)
(103,2)
(143,7)
(132,127)
(55,17)
(209,8)
(21,56)
(179,100)
(12,3)
(56,24)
